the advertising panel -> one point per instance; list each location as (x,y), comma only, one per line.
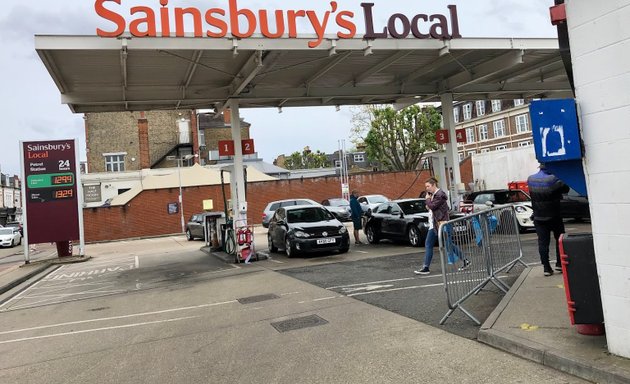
(50,172)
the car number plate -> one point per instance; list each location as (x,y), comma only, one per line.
(325,241)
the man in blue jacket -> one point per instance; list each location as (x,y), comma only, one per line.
(357,212)
(546,192)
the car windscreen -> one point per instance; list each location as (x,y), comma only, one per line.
(512,197)
(378,199)
(6,231)
(338,202)
(411,207)
(308,215)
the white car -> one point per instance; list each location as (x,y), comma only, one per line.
(502,197)
(10,237)
(369,202)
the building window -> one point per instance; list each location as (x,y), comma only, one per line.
(359,158)
(456,114)
(499,128)
(522,124)
(461,156)
(481,107)
(470,135)
(337,163)
(518,102)
(483,132)
(115,162)
(470,153)
(467,108)
(524,144)
(496,105)
(485,150)
(426,164)
(501,147)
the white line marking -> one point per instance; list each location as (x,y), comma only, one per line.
(275,261)
(289,293)
(121,317)
(97,330)
(137,262)
(361,252)
(396,289)
(383,281)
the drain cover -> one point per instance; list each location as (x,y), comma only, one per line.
(256,299)
(298,323)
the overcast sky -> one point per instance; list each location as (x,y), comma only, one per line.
(31,107)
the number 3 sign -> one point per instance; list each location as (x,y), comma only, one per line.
(441,136)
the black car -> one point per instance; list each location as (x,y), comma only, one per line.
(399,220)
(306,229)
(574,206)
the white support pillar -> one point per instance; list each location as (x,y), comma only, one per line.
(452,157)
(237,178)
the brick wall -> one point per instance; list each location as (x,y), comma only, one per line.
(146,214)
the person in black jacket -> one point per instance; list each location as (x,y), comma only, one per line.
(546,192)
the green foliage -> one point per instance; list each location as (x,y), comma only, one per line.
(398,140)
(306,160)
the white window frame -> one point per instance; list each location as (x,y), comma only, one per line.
(337,163)
(467,109)
(501,147)
(456,114)
(480,105)
(498,126)
(496,106)
(470,153)
(359,158)
(114,165)
(485,150)
(522,123)
(482,129)
(519,102)
(461,156)
(524,143)
(470,135)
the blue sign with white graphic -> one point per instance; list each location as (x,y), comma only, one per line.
(555,130)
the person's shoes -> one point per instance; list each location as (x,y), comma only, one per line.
(465,265)
(548,270)
(558,267)
(423,271)
(358,242)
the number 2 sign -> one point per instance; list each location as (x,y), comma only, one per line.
(226,147)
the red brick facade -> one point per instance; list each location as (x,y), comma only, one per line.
(147,215)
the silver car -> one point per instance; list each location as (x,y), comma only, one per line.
(271,208)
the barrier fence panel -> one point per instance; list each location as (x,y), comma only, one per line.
(473,249)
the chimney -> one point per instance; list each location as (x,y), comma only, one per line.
(227,117)
(143,141)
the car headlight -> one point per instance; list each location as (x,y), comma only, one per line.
(301,234)
(343,230)
(520,209)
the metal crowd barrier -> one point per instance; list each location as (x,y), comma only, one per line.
(474,249)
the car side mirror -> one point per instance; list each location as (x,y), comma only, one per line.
(489,204)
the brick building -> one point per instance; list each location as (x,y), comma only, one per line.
(11,199)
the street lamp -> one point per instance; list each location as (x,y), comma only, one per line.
(180,161)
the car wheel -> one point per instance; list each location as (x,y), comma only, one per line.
(20,241)
(413,234)
(272,248)
(372,238)
(12,243)
(189,235)
(288,248)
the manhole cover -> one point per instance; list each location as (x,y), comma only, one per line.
(298,323)
(256,299)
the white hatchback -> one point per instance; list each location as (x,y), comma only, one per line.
(502,197)
(10,237)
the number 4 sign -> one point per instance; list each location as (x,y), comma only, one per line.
(460,135)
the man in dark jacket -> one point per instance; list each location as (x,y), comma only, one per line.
(357,212)
(546,191)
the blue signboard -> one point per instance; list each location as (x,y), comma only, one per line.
(555,130)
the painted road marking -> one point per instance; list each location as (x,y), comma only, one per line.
(383,281)
(366,288)
(396,289)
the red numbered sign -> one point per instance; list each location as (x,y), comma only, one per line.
(460,135)
(248,146)
(441,136)
(226,148)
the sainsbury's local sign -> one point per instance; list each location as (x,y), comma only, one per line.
(241,22)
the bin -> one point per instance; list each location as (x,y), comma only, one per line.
(581,283)
(64,248)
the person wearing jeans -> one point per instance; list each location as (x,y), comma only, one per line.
(437,202)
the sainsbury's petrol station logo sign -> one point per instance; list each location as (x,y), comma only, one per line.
(242,22)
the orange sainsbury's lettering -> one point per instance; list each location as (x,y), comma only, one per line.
(149,20)
(111,16)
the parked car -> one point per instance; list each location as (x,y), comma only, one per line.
(574,206)
(306,229)
(10,237)
(497,198)
(397,220)
(15,224)
(194,227)
(271,208)
(338,207)
(369,202)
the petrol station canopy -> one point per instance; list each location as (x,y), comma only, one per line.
(96,74)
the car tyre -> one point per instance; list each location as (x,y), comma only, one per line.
(288,248)
(189,235)
(372,238)
(414,236)
(272,248)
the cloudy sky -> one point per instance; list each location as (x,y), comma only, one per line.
(31,107)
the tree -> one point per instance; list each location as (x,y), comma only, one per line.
(306,160)
(397,140)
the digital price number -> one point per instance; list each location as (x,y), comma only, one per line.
(48,180)
(63,194)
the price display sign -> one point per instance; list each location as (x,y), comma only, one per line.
(52,206)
